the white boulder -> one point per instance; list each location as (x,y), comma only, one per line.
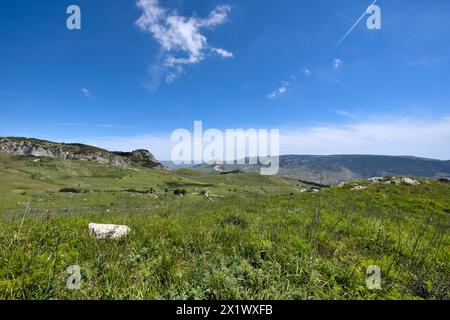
(358,188)
(376,180)
(410,182)
(108,231)
(394,180)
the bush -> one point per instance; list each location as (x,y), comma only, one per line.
(180,192)
(69,190)
(234,220)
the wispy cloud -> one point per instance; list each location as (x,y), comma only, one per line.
(223,53)
(354,25)
(86,93)
(180,37)
(337,64)
(423,138)
(425,62)
(306,71)
(347,114)
(379,135)
(280,91)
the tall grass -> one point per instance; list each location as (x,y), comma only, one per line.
(304,246)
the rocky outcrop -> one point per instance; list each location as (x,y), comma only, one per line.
(41,148)
(394,180)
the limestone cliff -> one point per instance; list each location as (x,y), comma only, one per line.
(42,148)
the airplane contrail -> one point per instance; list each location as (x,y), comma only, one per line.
(354,26)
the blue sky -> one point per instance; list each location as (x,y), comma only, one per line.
(125,82)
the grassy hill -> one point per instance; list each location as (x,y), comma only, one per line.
(235,236)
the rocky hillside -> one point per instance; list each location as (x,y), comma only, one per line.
(348,167)
(337,168)
(42,148)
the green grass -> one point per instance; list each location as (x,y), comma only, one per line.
(259,239)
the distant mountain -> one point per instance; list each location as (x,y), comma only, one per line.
(320,169)
(172,166)
(337,168)
(74,151)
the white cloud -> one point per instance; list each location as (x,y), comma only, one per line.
(376,136)
(280,91)
(86,92)
(414,137)
(337,63)
(180,37)
(306,71)
(223,53)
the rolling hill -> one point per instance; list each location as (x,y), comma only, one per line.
(337,168)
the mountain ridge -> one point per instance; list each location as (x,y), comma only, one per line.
(334,169)
(21,146)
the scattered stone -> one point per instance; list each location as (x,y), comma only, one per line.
(341,184)
(358,188)
(377,180)
(310,190)
(410,182)
(108,231)
(394,180)
(206,193)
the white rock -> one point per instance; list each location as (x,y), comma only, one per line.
(108,231)
(410,182)
(376,179)
(358,188)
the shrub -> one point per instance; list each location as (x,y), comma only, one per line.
(69,190)
(234,220)
(180,192)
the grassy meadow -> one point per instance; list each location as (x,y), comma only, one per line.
(211,236)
